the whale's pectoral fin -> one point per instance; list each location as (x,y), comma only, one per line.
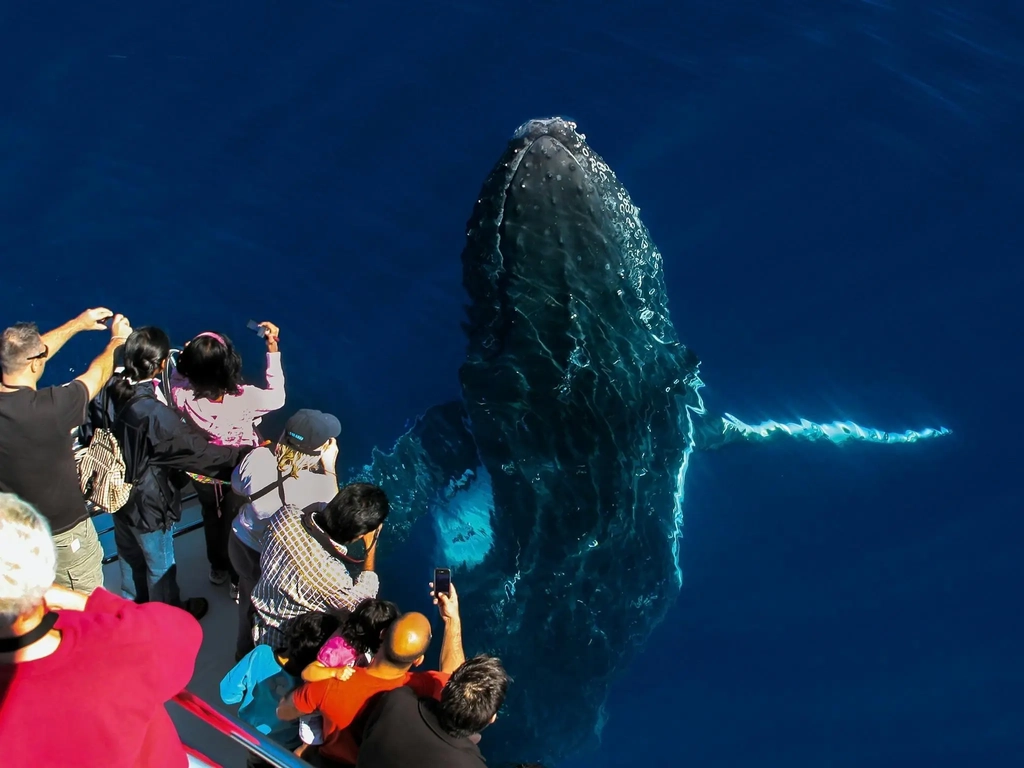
(417,472)
(716,432)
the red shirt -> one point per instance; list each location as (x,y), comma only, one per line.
(98,700)
(343,702)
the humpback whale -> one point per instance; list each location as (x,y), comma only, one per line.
(556,483)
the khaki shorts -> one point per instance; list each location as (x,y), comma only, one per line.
(79,558)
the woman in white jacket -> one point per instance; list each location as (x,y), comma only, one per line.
(299,470)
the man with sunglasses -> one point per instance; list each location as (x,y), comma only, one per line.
(36,459)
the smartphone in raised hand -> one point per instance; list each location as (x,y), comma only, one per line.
(443,581)
(258,329)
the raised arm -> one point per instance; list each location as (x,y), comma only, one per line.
(102,368)
(329,461)
(90,320)
(273,397)
(452,654)
(370,542)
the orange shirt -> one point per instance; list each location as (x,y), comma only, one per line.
(343,703)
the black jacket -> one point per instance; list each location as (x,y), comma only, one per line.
(159,444)
(403,730)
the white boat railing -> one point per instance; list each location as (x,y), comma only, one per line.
(240,733)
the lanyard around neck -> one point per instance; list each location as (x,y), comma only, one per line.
(12,644)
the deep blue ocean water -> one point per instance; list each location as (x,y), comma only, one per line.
(836,188)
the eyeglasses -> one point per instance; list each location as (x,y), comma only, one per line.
(42,355)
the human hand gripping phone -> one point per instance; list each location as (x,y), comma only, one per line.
(442,581)
(267,331)
(444,595)
(259,330)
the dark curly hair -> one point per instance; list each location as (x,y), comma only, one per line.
(473,695)
(357,509)
(214,369)
(362,629)
(302,638)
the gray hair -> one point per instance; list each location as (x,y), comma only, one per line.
(28,560)
(18,342)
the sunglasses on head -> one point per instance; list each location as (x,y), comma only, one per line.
(42,355)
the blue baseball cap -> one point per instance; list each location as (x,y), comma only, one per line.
(307,430)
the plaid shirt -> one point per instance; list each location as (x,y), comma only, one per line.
(300,576)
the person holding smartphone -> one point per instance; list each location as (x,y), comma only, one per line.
(36,458)
(207,387)
(446,598)
(344,701)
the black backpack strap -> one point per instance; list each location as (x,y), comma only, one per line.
(105,408)
(279,484)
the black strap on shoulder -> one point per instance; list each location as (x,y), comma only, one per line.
(311,527)
(105,408)
(279,484)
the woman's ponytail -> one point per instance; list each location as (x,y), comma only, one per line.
(144,353)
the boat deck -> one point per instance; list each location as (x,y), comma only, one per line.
(219,625)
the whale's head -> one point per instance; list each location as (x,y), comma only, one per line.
(557,260)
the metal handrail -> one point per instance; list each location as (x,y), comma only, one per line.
(239,732)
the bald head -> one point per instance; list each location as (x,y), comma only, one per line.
(407,639)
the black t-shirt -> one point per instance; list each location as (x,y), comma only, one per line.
(402,730)
(36,460)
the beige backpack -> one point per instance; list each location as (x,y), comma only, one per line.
(102,471)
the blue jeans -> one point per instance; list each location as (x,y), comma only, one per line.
(148,570)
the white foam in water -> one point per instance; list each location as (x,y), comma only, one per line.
(680,493)
(835,432)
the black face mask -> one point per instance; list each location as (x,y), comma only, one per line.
(11,644)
